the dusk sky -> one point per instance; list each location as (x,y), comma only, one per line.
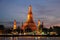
(47,11)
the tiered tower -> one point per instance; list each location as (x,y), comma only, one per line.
(40,27)
(14,27)
(39,23)
(29,22)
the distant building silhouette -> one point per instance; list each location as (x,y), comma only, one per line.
(57,29)
(1,29)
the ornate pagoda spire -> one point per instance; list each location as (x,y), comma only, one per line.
(14,27)
(39,23)
(29,22)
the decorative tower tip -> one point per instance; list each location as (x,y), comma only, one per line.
(30,8)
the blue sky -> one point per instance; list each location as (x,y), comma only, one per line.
(45,10)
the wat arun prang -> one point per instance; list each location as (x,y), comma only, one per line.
(30,24)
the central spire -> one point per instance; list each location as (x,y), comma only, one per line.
(29,24)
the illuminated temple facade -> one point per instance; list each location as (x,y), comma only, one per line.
(30,24)
(14,27)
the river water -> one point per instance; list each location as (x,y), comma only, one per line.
(29,38)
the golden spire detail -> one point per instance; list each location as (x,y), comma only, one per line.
(14,27)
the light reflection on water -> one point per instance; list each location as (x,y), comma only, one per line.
(29,38)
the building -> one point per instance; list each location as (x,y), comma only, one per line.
(14,27)
(40,27)
(29,24)
(14,30)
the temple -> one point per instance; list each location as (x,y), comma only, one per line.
(14,27)
(30,24)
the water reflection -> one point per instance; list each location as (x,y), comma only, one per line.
(29,38)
